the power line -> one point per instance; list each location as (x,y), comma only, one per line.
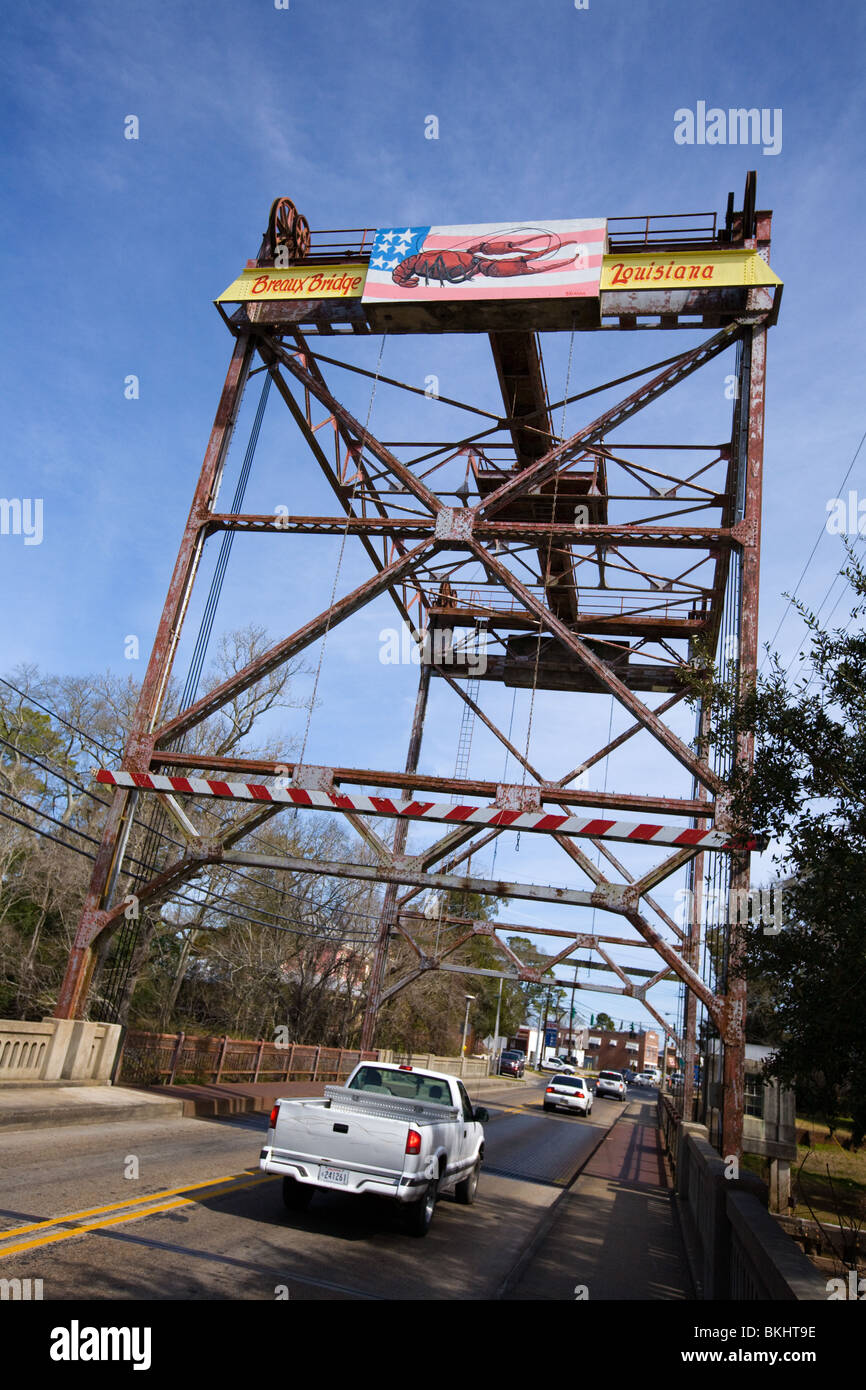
(233,871)
(54,715)
(46,835)
(821,533)
(45,816)
(180,897)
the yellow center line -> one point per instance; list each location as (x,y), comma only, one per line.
(122,1206)
(129,1216)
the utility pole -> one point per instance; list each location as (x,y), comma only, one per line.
(497,1050)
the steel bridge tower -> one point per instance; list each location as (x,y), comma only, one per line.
(590,563)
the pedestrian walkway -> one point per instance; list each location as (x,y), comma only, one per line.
(614,1232)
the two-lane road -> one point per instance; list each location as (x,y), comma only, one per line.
(199,1221)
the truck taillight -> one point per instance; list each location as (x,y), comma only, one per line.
(272,1122)
(549,1090)
(413,1142)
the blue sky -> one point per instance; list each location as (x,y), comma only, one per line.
(114,249)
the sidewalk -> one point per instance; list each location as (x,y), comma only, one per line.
(614,1232)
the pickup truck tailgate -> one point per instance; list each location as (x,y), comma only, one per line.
(338,1136)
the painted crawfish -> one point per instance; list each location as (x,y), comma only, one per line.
(499,259)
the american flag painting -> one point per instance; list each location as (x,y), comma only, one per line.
(491,260)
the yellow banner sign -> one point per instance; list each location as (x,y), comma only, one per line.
(646,270)
(345,281)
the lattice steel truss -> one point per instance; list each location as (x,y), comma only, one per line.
(581,562)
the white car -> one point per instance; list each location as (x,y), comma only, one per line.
(610,1083)
(557,1064)
(645,1078)
(568,1093)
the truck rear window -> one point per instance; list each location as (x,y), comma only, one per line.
(406,1085)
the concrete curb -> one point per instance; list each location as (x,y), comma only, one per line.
(55,1115)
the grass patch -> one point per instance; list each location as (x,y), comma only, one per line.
(833,1177)
(832,1180)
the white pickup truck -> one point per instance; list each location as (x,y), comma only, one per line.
(391,1131)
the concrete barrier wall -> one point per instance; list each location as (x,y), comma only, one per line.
(737,1250)
(765,1263)
(466,1067)
(57,1049)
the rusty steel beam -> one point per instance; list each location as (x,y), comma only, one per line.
(389,917)
(630,878)
(734,1018)
(456,859)
(611,419)
(487,887)
(283,651)
(517,358)
(691,951)
(72,997)
(600,670)
(378,777)
(506,532)
(668,866)
(619,740)
(331,476)
(584,940)
(389,461)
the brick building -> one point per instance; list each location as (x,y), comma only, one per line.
(629,1051)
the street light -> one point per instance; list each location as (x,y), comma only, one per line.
(469,999)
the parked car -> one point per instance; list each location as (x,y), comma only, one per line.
(557,1064)
(512,1064)
(645,1078)
(568,1093)
(391,1131)
(611,1083)
(675,1081)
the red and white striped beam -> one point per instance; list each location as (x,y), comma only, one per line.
(594,828)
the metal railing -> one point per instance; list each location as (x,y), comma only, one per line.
(655,230)
(351,244)
(647,230)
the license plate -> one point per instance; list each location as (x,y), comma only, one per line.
(335,1175)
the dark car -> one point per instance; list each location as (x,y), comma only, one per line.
(512,1063)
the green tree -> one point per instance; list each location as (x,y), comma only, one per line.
(808,790)
(605,1021)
